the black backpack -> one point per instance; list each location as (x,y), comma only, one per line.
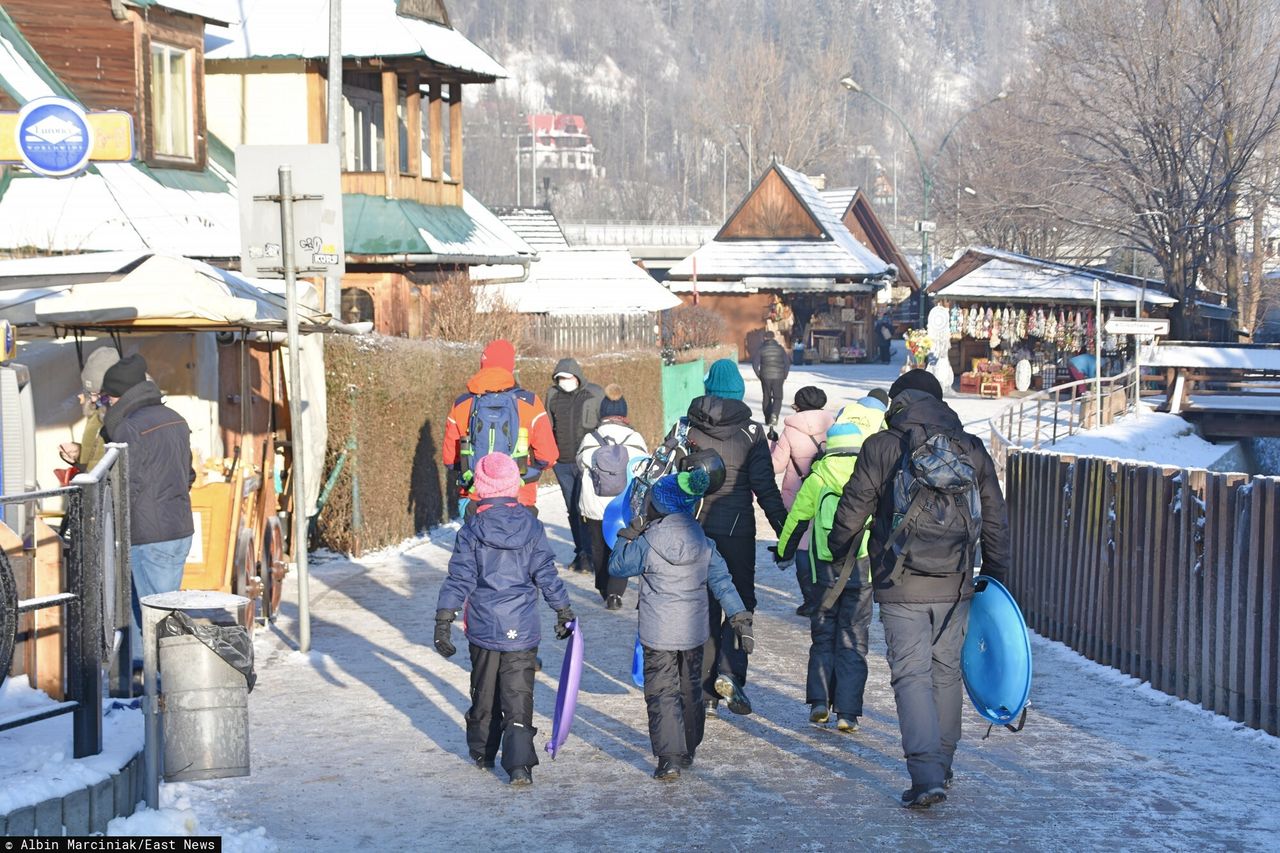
(937,508)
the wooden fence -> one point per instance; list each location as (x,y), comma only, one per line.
(593,333)
(1172,576)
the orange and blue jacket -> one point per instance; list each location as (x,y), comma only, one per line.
(536,437)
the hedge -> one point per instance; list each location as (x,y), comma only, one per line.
(392,395)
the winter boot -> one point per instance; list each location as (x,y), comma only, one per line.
(846,724)
(613,602)
(667,770)
(729,689)
(819,713)
(482,762)
(521,777)
(923,796)
(685,761)
(948,779)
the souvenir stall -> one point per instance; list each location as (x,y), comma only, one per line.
(840,329)
(1015,321)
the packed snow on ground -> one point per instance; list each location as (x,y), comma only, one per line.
(360,745)
(181,814)
(1149,437)
(36,762)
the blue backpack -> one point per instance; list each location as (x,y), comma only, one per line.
(494,427)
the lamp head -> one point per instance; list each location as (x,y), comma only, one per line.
(850,84)
(1002,95)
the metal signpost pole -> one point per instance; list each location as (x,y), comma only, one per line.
(299,515)
(333,282)
(1097,353)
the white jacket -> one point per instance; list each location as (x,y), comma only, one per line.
(590,504)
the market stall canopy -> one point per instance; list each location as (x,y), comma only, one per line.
(584,281)
(994,275)
(138,290)
(371,29)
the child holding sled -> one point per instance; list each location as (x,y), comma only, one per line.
(501,560)
(841,618)
(676,563)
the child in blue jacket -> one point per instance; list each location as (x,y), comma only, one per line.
(500,561)
(677,564)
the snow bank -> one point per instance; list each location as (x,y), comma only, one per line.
(1146,437)
(176,817)
(36,761)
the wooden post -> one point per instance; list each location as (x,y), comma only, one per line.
(435,131)
(455,131)
(391,130)
(413,121)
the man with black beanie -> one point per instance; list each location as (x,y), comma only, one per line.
(921,547)
(160,477)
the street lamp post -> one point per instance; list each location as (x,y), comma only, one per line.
(926,174)
(971,192)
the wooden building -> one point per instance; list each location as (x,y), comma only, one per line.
(787,261)
(145,58)
(408,219)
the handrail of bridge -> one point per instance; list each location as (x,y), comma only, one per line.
(1056,418)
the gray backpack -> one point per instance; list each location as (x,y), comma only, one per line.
(609,466)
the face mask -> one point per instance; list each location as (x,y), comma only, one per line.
(567,384)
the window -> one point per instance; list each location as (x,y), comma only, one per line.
(363,132)
(172,102)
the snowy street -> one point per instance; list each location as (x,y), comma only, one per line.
(360,745)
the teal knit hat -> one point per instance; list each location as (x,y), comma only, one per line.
(680,492)
(724,380)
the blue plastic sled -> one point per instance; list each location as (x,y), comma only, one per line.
(996,659)
(637,664)
(617,515)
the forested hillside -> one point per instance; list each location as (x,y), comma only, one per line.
(681,96)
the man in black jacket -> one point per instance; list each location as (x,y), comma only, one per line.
(924,605)
(771,364)
(160,477)
(574,406)
(720,421)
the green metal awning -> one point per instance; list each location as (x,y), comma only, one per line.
(376,226)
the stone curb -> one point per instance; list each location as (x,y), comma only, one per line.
(81,812)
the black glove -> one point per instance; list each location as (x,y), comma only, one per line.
(783,564)
(980,583)
(563,617)
(444,641)
(741,624)
(633,530)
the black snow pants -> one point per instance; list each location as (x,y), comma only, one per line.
(838,651)
(501,709)
(772,405)
(721,653)
(606,584)
(924,643)
(673,696)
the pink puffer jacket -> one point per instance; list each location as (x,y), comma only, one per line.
(793,453)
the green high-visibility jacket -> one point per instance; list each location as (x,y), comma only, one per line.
(816,502)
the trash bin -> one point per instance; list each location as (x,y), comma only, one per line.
(797,353)
(198,657)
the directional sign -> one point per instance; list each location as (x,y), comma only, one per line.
(317,211)
(1143,328)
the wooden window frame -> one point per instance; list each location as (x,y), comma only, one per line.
(194,46)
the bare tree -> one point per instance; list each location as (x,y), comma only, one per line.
(1161,107)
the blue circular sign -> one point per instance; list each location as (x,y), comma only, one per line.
(54,137)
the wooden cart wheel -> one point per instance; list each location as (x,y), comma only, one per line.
(273,568)
(8,616)
(243,573)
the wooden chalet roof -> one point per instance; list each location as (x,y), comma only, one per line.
(994,275)
(783,231)
(860,217)
(537,226)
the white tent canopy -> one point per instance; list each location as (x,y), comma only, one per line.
(144,290)
(583,281)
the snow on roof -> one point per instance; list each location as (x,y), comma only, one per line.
(836,255)
(839,198)
(213,11)
(537,226)
(1003,279)
(585,281)
(1262,357)
(783,259)
(370,28)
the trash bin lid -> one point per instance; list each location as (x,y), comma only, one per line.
(195,599)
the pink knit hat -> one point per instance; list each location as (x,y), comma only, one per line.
(497,476)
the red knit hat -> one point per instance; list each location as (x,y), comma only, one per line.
(499,353)
(497,476)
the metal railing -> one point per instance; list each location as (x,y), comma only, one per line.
(1046,417)
(96,549)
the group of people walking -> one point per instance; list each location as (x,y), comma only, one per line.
(884,498)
